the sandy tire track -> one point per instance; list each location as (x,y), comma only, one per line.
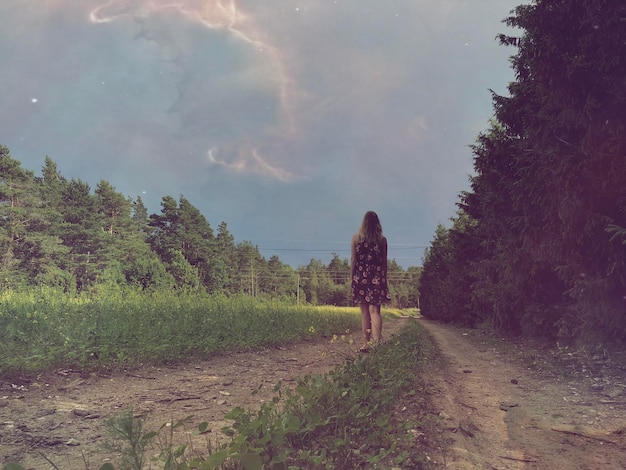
(497,414)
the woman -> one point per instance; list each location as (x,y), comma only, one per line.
(368,269)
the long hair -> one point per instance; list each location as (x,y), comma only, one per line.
(371,231)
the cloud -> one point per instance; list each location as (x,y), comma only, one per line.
(274,115)
(232,89)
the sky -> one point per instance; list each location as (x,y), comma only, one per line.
(286,119)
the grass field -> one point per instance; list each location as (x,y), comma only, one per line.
(341,419)
(43,329)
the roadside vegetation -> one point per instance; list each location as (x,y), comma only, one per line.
(56,232)
(346,418)
(42,329)
(350,417)
(538,247)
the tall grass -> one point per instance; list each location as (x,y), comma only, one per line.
(43,328)
(350,417)
(346,418)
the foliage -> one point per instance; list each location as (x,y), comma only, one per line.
(341,419)
(345,418)
(129,429)
(446,284)
(57,233)
(545,253)
(118,327)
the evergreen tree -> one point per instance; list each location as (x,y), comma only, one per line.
(279,280)
(182,230)
(339,274)
(197,241)
(445,283)
(250,266)
(548,198)
(56,232)
(139,216)
(414,274)
(52,184)
(567,106)
(114,208)
(163,231)
(17,196)
(186,275)
(30,247)
(83,233)
(225,252)
(318,286)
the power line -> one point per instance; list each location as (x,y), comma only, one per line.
(395,251)
(306,250)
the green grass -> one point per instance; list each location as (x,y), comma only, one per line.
(350,417)
(44,329)
(343,419)
(347,418)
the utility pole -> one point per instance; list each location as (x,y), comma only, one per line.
(251,279)
(298,291)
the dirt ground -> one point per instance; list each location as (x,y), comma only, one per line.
(498,404)
(507,405)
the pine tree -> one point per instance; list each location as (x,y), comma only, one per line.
(548,196)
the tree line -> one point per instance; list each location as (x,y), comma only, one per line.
(59,233)
(538,246)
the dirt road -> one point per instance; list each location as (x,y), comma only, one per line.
(499,414)
(61,417)
(493,411)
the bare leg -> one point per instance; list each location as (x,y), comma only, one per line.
(376,322)
(366,323)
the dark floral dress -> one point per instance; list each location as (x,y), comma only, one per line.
(369,282)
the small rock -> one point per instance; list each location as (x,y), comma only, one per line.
(72,442)
(416,433)
(514,381)
(224,393)
(221,402)
(613,393)
(467,371)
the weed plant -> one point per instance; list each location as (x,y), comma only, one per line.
(347,418)
(44,328)
(342,419)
